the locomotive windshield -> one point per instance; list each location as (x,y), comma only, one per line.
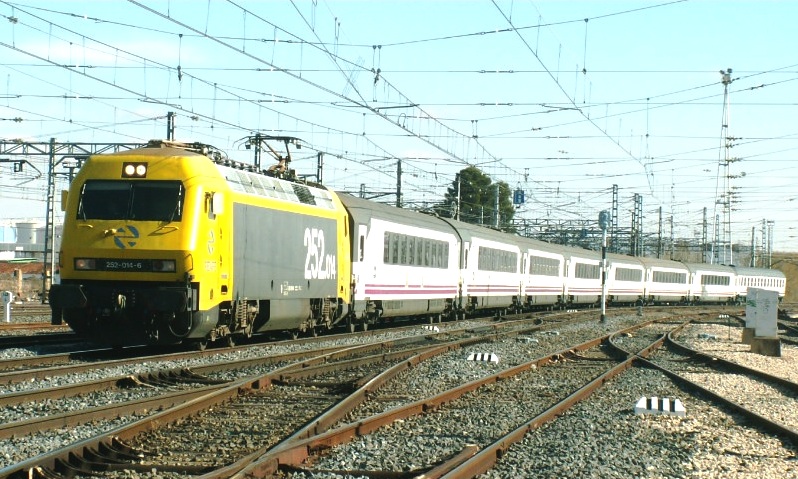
(131,200)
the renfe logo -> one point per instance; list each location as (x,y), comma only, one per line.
(317,264)
(123,236)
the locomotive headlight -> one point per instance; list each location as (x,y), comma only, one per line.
(134,170)
(163,266)
(85,264)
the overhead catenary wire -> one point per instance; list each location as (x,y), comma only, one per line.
(493,136)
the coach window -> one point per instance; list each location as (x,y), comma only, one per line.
(386,244)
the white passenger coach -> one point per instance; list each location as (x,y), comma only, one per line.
(406,263)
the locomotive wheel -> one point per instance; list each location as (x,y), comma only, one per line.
(230,341)
(201,345)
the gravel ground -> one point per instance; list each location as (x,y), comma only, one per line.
(18,449)
(603,438)
(599,438)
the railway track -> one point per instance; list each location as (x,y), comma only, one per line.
(279,378)
(574,363)
(334,401)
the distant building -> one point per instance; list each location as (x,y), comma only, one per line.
(25,239)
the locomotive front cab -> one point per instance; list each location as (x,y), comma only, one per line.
(130,266)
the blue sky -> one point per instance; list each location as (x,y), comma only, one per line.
(530,92)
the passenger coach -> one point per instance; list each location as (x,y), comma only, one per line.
(403,263)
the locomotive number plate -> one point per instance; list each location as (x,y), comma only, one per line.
(124,265)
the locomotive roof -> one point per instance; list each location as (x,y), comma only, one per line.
(150,150)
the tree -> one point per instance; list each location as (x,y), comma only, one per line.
(477,203)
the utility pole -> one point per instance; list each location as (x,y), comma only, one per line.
(715,243)
(673,251)
(319,167)
(604,222)
(725,246)
(704,237)
(636,239)
(497,207)
(614,226)
(170,126)
(457,208)
(659,235)
(770,224)
(398,183)
(49,227)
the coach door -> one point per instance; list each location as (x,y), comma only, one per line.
(360,274)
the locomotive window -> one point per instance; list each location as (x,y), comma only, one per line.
(104,200)
(156,201)
(131,200)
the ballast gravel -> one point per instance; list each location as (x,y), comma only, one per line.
(599,438)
